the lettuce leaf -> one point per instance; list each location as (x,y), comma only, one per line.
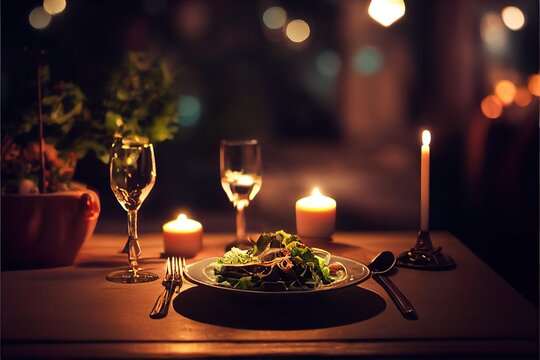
(277,261)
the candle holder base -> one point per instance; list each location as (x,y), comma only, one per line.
(424,256)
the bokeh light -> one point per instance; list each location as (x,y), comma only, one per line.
(513,18)
(39,18)
(328,63)
(191,19)
(297,30)
(505,90)
(54,7)
(368,60)
(274,17)
(386,12)
(491,107)
(493,33)
(534,84)
(523,97)
(189,109)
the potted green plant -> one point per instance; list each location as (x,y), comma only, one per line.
(141,99)
(46,217)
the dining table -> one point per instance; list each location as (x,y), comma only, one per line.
(74,312)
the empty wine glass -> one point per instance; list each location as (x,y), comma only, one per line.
(241,178)
(132,176)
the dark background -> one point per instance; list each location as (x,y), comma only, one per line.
(355,135)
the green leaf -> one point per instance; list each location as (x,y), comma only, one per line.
(50,100)
(104,158)
(112,120)
(122,94)
(69,116)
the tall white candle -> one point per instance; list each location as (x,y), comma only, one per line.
(424,182)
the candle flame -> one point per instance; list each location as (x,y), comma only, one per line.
(316,192)
(181,217)
(426,137)
(182,224)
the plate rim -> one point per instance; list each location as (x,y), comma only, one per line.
(286,292)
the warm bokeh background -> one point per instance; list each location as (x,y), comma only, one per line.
(342,110)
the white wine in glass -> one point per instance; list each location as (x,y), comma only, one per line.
(132,176)
(241,178)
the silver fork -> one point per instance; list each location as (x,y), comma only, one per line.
(172,282)
(184,266)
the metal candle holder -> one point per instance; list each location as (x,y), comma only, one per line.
(423,256)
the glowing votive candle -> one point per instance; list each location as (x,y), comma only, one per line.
(315,216)
(182,237)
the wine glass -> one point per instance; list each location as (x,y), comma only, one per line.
(132,176)
(241,178)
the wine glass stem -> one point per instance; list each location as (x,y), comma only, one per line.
(240,223)
(132,241)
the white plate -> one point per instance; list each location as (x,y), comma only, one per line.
(202,273)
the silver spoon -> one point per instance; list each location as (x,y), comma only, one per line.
(381,264)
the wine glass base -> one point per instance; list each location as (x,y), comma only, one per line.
(127,276)
(241,244)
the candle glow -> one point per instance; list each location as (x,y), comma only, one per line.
(426,137)
(182,224)
(182,237)
(315,215)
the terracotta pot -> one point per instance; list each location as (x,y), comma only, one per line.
(46,230)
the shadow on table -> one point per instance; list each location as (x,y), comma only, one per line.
(340,307)
(117,263)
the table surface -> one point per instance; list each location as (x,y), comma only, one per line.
(74,312)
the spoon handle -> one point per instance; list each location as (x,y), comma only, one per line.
(403,304)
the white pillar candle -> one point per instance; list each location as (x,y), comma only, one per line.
(424,182)
(315,216)
(182,237)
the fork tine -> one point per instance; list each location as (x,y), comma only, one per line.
(173,262)
(172,283)
(175,268)
(168,270)
(180,266)
(184,266)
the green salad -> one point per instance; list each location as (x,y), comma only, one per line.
(278,261)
